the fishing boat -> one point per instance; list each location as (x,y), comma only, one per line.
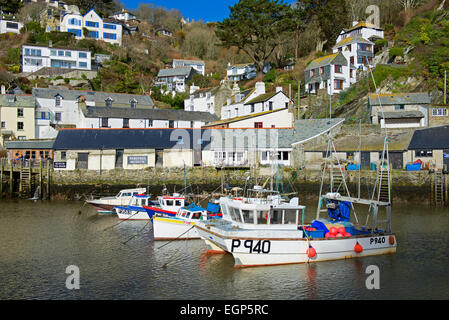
(167,205)
(181,226)
(261,229)
(135,209)
(106,205)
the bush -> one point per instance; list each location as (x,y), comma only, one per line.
(396,52)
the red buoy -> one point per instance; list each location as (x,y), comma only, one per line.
(333,231)
(311,252)
(341,230)
(339,235)
(346,234)
(358,248)
(391,240)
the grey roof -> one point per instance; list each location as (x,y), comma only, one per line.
(430,139)
(183,71)
(152,114)
(93,96)
(399,98)
(401,114)
(19,100)
(29,144)
(183,61)
(212,91)
(308,129)
(326,60)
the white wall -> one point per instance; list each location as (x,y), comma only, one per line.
(4,26)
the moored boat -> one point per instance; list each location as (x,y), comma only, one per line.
(106,205)
(135,209)
(167,205)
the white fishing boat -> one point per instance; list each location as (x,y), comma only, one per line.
(180,226)
(135,210)
(106,204)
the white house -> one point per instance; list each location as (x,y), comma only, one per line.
(201,100)
(331,72)
(359,50)
(197,65)
(240,72)
(58,108)
(8,25)
(175,79)
(37,57)
(124,15)
(108,30)
(364,30)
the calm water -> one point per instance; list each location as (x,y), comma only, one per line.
(38,240)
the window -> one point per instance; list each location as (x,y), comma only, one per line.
(19,125)
(53,52)
(338,84)
(252,108)
(111,36)
(270,105)
(83,64)
(171,123)
(93,34)
(75,22)
(76,32)
(63,155)
(133,104)
(348,47)
(82,55)
(351,60)
(3,124)
(312,73)
(108,102)
(92,24)
(125,123)
(68,54)
(43,115)
(423,153)
(12,25)
(19,112)
(338,69)
(104,123)
(191,124)
(58,101)
(439,112)
(321,70)
(150,123)
(60,53)
(58,116)
(258,125)
(350,73)
(21,138)
(399,107)
(109,26)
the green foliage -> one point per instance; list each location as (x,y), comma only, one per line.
(13,55)
(383,72)
(11,6)
(176,102)
(200,80)
(396,52)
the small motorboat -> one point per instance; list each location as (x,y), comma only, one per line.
(181,226)
(135,209)
(106,205)
(167,205)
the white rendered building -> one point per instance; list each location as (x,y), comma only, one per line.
(197,65)
(7,25)
(37,57)
(365,30)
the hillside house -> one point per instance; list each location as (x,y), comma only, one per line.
(175,79)
(239,72)
(17,117)
(362,29)
(8,25)
(208,99)
(197,65)
(358,51)
(332,73)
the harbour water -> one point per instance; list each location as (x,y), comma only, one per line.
(38,240)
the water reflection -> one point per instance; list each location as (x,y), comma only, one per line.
(38,240)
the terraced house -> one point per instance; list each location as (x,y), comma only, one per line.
(331,72)
(17,117)
(108,30)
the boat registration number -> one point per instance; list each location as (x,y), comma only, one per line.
(253,246)
(378,240)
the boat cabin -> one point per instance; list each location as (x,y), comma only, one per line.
(128,193)
(192,212)
(172,203)
(140,200)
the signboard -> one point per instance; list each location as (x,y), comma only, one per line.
(60,165)
(137,159)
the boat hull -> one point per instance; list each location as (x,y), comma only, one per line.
(167,228)
(132,213)
(250,251)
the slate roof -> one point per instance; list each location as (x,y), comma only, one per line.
(262,98)
(435,138)
(401,114)
(399,98)
(29,144)
(322,61)
(308,129)
(94,139)
(212,91)
(93,96)
(19,100)
(363,24)
(249,116)
(183,71)
(353,39)
(182,61)
(152,114)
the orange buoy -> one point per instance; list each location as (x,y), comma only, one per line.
(333,231)
(358,248)
(391,240)
(311,252)
(341,230)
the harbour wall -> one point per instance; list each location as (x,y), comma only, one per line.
(407,186)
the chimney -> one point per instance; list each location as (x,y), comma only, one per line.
(260,88)
(3,89)
(278,89)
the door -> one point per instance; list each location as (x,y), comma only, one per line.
(365,160)
(396,159)
(83,158)
(159,158)
(197,157)
(119,158)
(446,160)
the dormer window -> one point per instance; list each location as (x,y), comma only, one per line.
(108,102)
(58,100)
(133,104)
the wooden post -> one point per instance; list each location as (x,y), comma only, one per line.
(20,176)
(30,177)
(446,184)
(11,178)
(40,180)
(48,180)
(1,180)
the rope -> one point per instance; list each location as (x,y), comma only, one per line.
(171,258)
(137,232)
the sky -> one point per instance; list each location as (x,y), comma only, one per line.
(206,10)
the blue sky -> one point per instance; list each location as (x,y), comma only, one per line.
(206,10)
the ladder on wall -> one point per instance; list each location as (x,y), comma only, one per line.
(438,187)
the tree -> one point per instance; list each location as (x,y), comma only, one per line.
(106,7)
(10,6)
(254,26)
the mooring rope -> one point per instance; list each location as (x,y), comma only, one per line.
(137,232)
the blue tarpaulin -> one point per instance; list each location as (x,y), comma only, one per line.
(342,212)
